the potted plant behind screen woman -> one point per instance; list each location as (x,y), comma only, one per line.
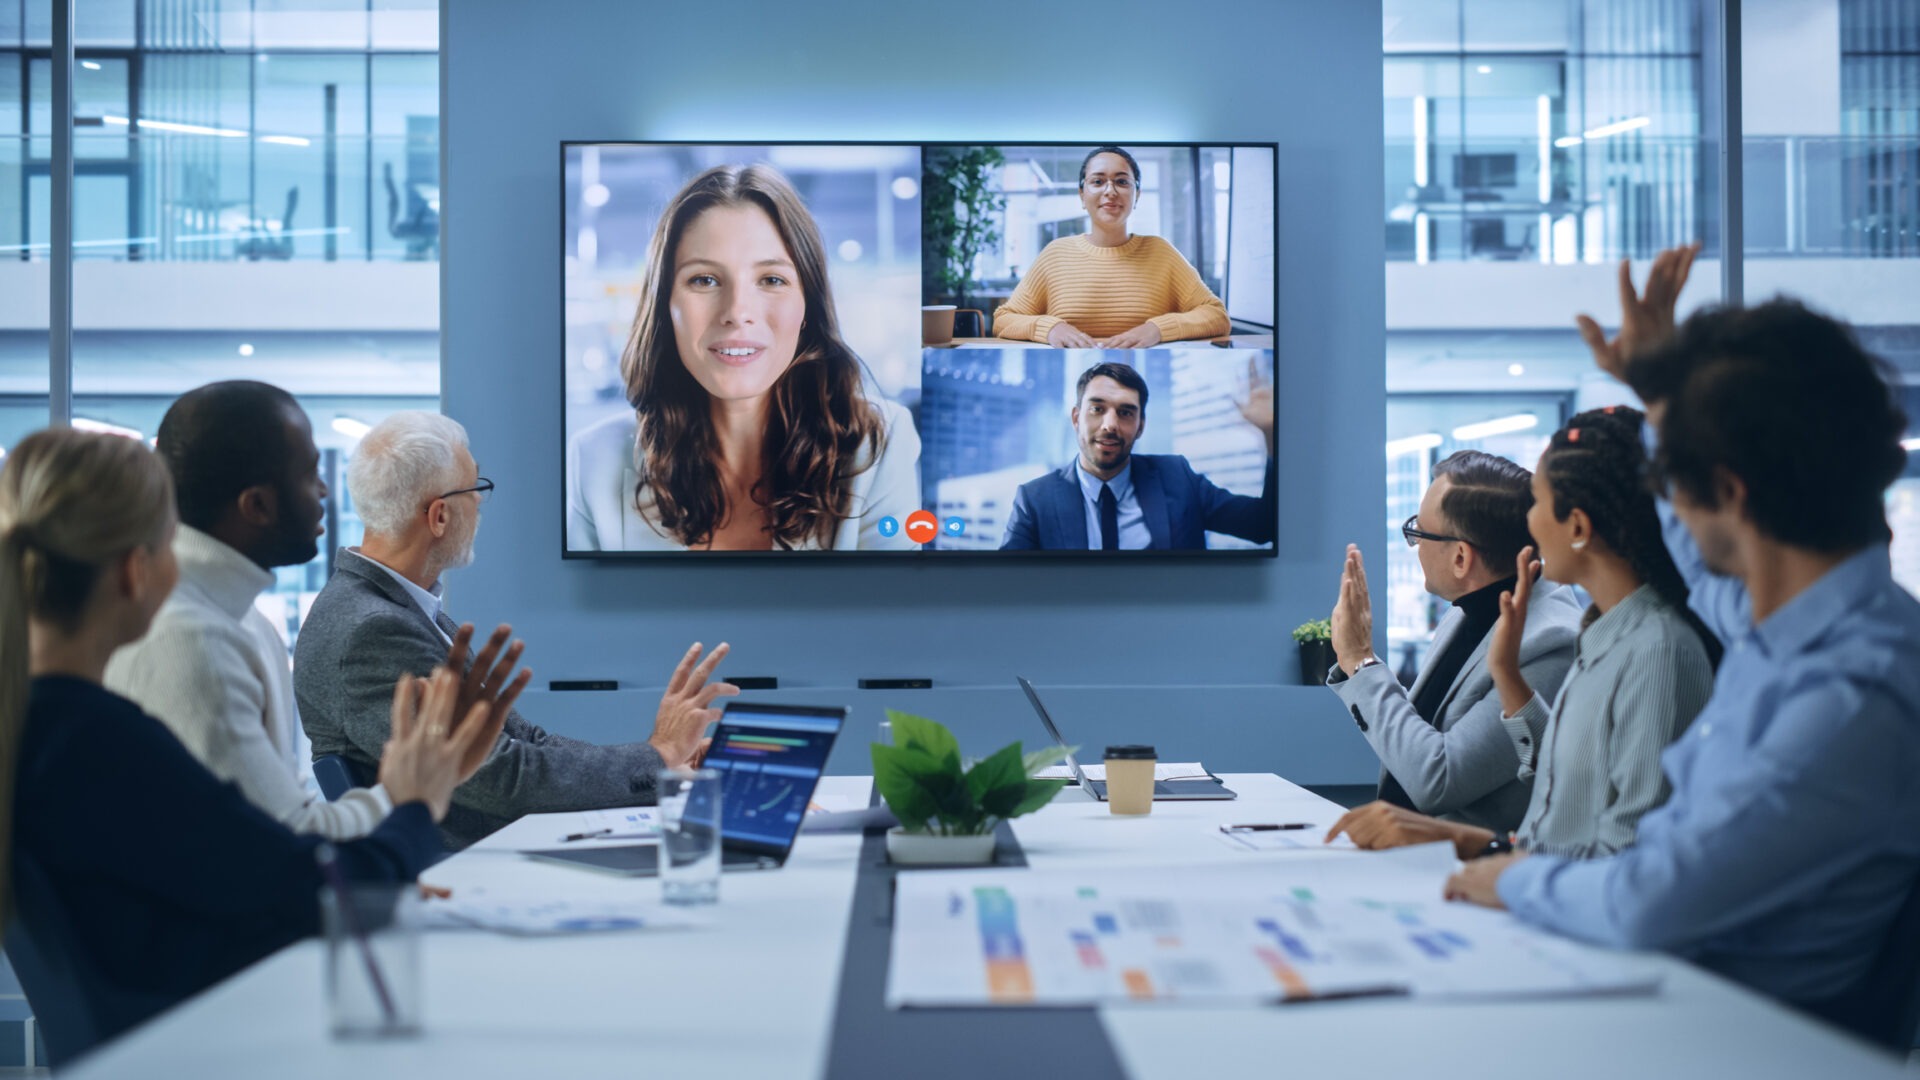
(958,201)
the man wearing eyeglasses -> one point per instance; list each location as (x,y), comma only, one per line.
(1442,748)
(418,489)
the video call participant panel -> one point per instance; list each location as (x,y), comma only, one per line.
(1098,246)
(1098,451)
(721,300)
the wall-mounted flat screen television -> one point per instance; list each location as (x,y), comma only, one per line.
(983,350)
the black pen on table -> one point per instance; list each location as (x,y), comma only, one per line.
(1266,828)
(588,835)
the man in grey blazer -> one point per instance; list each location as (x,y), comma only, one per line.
(1442,748)
(418,489)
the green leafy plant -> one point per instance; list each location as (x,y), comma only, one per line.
(1313,630)
(931,790)
(958,203)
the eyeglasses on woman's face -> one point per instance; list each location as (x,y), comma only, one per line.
(1411,530)
(1122,183)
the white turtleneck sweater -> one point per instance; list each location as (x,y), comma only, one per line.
(215,671)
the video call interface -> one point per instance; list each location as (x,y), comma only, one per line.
(769,764)
(934,348)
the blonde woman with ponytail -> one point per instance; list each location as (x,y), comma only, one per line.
(164,879)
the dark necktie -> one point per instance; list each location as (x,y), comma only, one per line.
(1109,520)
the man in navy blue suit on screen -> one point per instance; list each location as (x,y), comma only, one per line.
(1110,499)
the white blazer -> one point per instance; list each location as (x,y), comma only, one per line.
(601,477)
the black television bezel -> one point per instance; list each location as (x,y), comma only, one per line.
(691,558)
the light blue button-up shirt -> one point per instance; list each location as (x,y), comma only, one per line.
(1793,832)
(1133,523)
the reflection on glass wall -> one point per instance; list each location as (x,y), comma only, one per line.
(1556,131)
(1531,144)
(256,195)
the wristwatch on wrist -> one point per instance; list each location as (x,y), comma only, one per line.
(1499,845)
(1365,664)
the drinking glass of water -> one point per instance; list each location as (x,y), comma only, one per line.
(689,836)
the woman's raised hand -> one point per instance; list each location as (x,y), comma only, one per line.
(431,749)
(1503,651)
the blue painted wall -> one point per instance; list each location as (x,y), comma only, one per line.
(1208,641)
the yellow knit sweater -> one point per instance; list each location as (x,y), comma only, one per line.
(1106,290)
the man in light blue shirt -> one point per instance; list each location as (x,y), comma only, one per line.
(1793,833)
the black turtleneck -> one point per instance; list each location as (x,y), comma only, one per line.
(1479,610)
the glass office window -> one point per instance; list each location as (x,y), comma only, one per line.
(1831,118)
(105,22)
(311,24)
(1530,145)
(236,225)
(408,25)
(23,270)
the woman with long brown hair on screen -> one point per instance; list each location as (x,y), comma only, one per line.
(122,859)
(753,427)
(1108,288)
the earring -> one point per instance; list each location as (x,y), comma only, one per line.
(1578,545)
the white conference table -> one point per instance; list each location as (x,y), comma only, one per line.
(754,994)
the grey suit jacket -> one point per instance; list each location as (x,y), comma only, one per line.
(364,632)
(1465,767)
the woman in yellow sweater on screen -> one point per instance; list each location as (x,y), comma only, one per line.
(1109,289)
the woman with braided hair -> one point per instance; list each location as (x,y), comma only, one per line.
(1644,669)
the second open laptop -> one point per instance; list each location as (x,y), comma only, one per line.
(1167,790)
(770,758)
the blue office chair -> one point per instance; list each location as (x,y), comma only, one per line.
(40,943)
(334,775)
(1884,1007)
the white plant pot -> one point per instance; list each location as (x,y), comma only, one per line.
(929,849)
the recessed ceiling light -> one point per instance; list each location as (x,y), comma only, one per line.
(90,65)
(1484,69)
(1516,370)
(246,349)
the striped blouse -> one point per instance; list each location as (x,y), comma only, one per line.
(1640,676)
(1104,291)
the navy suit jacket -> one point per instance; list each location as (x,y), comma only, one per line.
(1180,506)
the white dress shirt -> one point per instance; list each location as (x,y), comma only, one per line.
(1133,521)
(216,672)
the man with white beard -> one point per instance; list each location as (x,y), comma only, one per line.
(418,489)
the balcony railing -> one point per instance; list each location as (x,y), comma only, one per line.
(232,195)
(1629,196)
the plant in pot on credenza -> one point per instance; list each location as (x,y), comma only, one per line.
(948,807)
(1315,639)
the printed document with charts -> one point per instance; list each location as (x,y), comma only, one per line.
(1295,929)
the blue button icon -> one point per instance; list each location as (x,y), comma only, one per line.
(889,527)
(955,526)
